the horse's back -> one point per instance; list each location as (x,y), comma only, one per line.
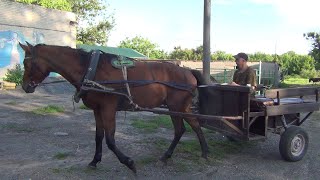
(167,72)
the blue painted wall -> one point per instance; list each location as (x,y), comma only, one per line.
(10,51)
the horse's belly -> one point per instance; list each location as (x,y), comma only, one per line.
(150,96)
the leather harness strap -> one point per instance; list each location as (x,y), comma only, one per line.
(91,72)
(88,79)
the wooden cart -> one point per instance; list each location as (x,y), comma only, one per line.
(279,111)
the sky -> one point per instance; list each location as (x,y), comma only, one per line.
(269,26)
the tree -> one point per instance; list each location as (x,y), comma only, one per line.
(94,21)
(187,54)
(260,56)
(181,54)
(144,46)
(221,56)
(315,42)
(295,63)
(63,5)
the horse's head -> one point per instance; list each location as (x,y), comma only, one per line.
(35,69)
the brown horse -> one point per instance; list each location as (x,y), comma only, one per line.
(72,64)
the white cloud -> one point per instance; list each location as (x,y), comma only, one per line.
(296,12)
(134,25)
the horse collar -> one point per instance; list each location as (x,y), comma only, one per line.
(90,74)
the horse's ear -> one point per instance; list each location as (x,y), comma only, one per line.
(30,46)
(24,47)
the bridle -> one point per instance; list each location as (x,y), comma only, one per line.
(34,67)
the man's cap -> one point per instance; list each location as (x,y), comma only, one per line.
(241,55)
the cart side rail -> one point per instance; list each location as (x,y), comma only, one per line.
(291,92)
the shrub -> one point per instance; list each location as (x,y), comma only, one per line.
(14,75)
(309,73)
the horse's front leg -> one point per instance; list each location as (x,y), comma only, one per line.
(99,139)
(108,117)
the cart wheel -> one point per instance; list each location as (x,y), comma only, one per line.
(293,143)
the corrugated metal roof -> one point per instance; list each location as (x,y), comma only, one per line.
(112,50)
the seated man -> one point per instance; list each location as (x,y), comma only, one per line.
(244,75)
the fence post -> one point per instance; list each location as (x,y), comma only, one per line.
(224,75)
(260,72)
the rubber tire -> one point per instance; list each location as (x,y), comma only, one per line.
(285,143)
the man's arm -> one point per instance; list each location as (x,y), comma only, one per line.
(252,79)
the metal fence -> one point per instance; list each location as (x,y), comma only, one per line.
(226,75)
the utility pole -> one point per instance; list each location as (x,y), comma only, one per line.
(206,40)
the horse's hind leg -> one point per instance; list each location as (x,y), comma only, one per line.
(179,129)
(194,123)
(99,139)
(108,117)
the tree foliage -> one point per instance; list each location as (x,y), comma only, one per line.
(221,56)
(295,63)
(260,56)
(144,46)
(63,5)
(94,20)
(315,43)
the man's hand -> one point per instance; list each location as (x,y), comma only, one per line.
(234,84)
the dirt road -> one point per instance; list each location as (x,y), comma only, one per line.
(60,145)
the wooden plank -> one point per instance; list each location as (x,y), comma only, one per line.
(227,88)
(254,114)
(290,92)
(291,108)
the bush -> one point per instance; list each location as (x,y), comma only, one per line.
(296,63)
(14,75)
(309,73)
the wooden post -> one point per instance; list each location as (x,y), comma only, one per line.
(206,40)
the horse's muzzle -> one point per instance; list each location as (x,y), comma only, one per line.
(30,87)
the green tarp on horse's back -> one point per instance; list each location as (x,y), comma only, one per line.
(127,52)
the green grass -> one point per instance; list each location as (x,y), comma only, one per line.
(295,81)
(82,106)
(146,126)
(11,103)
(17,128)
(65,170)
(192,149)
(156,123)
(187,154)
(50,109)
(147,160)
(56,170)
(61,155)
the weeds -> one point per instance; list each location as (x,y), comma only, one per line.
(61,155)
(50,109)
(82,106)
(17,128)
(156,123)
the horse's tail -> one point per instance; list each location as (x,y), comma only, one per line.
(198,75)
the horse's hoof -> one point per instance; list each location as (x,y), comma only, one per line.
(130,164)
(164,159)
(93,164)
(205,156)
